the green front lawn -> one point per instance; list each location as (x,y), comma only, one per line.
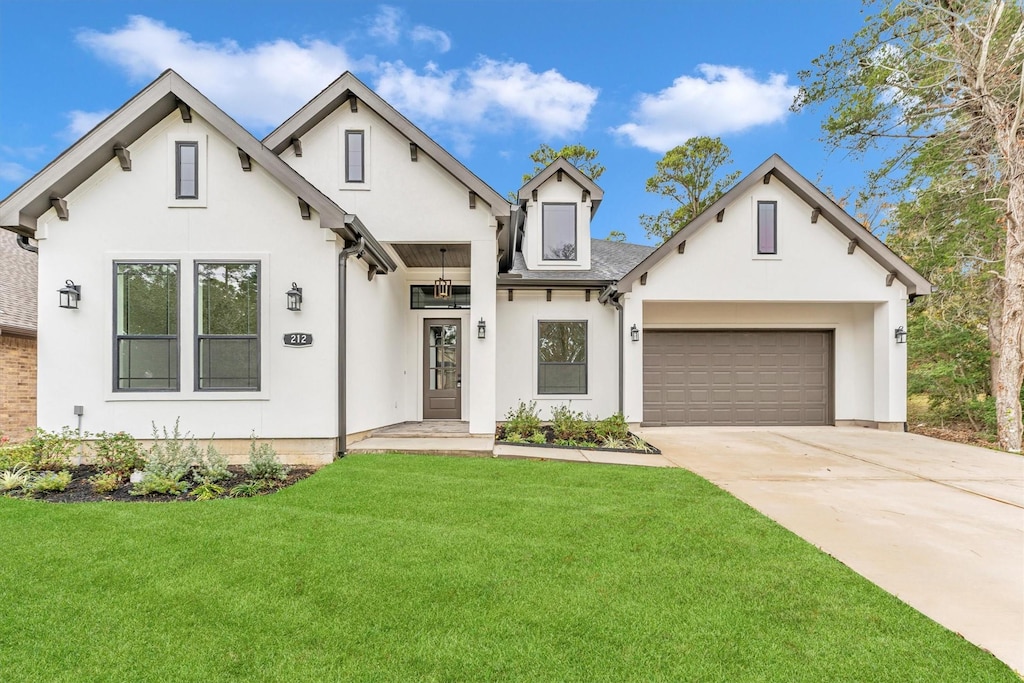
(429,568)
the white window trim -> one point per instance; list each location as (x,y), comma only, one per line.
(173,138)
(576,235)
(367,132)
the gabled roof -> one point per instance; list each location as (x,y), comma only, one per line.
(18,287)
(22,208)
(339,92)
(817,200)
(608,262)
(561,166)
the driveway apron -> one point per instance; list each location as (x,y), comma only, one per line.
(937,524)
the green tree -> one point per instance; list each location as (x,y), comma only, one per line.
(580,156)
(936,86)
(616,236)
(686,174)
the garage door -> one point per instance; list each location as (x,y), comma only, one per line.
(770,377)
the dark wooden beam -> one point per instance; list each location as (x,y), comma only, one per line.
(549,295)
(720,216)
(304,209)
(124,157)
(643,279)
(370,273)
(587,296)
(767,177)
(510,295)
(682,247)
(413,151)
(297,146)
(889,279)
(815,214)
(586,196)
(535,195)
(353,103)
(186,112)
(852,246)
(244,159)
(559,175)
(472,199)
(60,205)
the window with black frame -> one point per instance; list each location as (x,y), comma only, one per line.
(227,326)
(145,326)
(562,357)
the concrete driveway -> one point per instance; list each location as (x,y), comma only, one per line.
(937,524)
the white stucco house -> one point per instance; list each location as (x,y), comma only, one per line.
(288,287)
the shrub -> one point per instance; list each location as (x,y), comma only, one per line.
(13,454)
(514,437)
(208,491)
(263,462)
(522,421)
(569,425)
(171,456)
(211,468)
(53,450)
(105,482)
(638,444)
(613,427)
(47,482)
(18,477)
(538,437)
(155,483)
(118,454)
(249,488)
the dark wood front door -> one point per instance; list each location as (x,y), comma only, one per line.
(442,369)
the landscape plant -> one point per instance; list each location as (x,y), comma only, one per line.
(523,421)
(105,482)
(117,453)
(570,427)
(54,450)
(48,481)
(18,477)
(263,462)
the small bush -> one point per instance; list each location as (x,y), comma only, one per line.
(612,428)
(638,444)
(118,453)
(171,456)
(14,454)
(49,482)
(207,491)
(155,483)
(569,425)
(18,477)
(105,482)
(53,450)
(538,437)
(263,462)
(514,437)
(211,468)
(249,488)
(522,420)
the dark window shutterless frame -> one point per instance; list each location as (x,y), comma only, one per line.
(227,322)
(562,357)
(767,228)
(146,341)
(355,157)
(186,170)
(558,225)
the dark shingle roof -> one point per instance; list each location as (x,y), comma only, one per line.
(608,261)
(18,285)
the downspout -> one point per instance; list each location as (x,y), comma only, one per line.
(607,297)
(24,244)
(355,249)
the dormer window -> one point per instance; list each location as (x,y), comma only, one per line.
(559,228)
(186,176)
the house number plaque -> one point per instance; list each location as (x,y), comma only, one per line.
(298,339)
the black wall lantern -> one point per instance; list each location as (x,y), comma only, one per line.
(294,298)
(481,329)
(634,333)
(70,294)
(901,335)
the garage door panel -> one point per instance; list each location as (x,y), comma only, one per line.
(764,377)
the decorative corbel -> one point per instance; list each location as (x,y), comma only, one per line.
(124,157)
(60,205)
(186,111)
(243,157)
(304,210)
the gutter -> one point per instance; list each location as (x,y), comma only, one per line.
(610,296)
(357,249)
(26,245)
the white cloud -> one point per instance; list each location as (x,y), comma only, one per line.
(723,99)
(433,36)
(260,86)
(81,122)
(385,24)
(490,94)
(12,172)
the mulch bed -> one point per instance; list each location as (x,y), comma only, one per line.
(80,489)
(549,433)
(957,434)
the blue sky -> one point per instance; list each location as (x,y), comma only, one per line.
(488,80)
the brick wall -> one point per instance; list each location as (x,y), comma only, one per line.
(17,385)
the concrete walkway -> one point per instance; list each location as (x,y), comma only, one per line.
(937,524)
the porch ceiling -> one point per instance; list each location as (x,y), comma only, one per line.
(429,255)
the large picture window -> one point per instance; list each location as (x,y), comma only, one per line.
(562,357)
(559,227)
(146,327)
(227,326)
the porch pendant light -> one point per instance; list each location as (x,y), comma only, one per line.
(442,287)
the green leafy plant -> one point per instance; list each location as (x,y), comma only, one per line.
(538,437)
(248,489)
(155,483)
(53,450)
(211,468)
(207,491)
(569,425)
(18,477)
(514,437)
(117,453)
(263,462)
(49,482)
(522,420)
(612,442)
(172,454)
(13,454)
(638,444)
(105,482)
(613,427)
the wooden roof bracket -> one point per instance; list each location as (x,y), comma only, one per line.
(889,279)
(186,111)
(413,151)
(472,199)
(643,279)
(297,146)
(815,214)
(682,247)
(767,177)
(60,205)
(304,210)
(852,247)
(246,162)
(124,157)
(720,216)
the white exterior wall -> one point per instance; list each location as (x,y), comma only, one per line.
(118,215)
(517,351)
(565,192)
(720,281)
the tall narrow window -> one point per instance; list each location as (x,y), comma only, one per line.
(562,357)
(354,157)
(559,226)
(227,326)
(145,326)
(767,228)
(186,164)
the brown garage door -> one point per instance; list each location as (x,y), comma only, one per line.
(770,377)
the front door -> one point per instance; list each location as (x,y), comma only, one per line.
(442,369)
